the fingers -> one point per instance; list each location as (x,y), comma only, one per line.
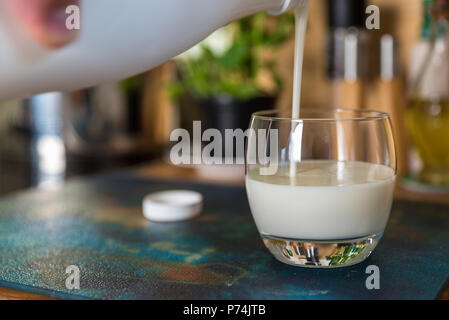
(45,20)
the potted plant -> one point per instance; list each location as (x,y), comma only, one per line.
(233,73)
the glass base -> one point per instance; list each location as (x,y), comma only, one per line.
(321,254)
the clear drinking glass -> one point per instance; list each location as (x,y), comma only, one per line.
(320,187)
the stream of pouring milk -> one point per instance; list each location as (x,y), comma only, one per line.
(301,17)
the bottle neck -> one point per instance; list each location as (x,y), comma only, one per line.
(432,82)
(243,8)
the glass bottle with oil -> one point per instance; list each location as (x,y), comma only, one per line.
(428,106)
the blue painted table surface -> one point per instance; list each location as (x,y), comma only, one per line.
(97,225)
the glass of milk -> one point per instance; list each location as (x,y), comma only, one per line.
(320,187)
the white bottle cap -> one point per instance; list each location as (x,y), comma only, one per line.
(172,206)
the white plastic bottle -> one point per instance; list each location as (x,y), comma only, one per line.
(118,38)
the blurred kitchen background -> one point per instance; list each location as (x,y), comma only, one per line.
(247,66)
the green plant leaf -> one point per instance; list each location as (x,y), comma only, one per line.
(234,57)
(235,72)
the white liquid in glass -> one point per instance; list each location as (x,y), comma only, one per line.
(329,200)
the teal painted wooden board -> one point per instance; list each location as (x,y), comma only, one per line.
(97,225)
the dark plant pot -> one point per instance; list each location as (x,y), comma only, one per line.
(223,113)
